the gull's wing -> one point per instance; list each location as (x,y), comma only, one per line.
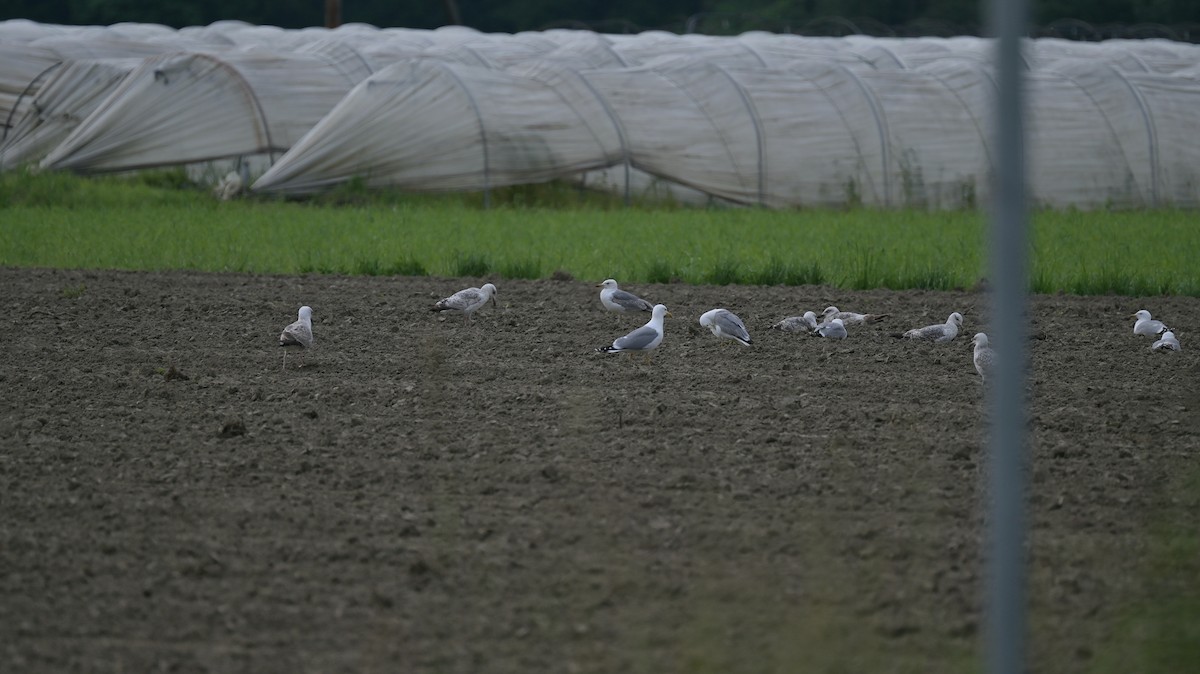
(296,334)
(630,302)
(930,332)
(637,340)
(795,324)
(461,299)
(731,325)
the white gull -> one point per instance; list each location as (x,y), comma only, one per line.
(467,301)
(941,332)
(298,335)
(725,323)
(615,299)
(644,339)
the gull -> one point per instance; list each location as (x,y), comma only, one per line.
(468,301)
(942,332)
(1145,325)
(985,358)
(615,299)
(725,323)
(834,329)
(298,334)
(644,339)
(805,323)
(1167,343)
(849,317)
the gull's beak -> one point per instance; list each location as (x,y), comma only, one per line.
(599,285)
(668,315)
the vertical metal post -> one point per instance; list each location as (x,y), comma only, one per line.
(333,13)
(1005,628)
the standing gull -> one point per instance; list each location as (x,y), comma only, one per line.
(834,329)
(849,317)
(1145,325)
(1167,343)
(644,339)
(298,334)
(985,358)
(468,301)
(615,299)
(725,323)
(942,332)
(805,323)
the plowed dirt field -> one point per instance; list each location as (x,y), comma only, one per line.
(427,497)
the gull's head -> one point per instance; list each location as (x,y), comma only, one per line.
(660,310)
(1169,336)
(809,314)
(829,311)
(1141,315)
(980,339)
(489,291)
(706,319)
(607,284)
(838,322)
(955,318)
(306,313)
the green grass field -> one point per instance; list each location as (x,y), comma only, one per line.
(156,221)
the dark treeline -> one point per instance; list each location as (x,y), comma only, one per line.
(1082,19)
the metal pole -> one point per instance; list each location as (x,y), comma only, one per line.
(1005,599)
(333,13)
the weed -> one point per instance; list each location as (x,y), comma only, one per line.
(471,265)
(409,266)
(660,271)
(724,272)
(73,292)
(525,269)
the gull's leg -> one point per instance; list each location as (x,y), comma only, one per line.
(285,359)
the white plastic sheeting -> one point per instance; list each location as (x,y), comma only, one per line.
(71,92)
(438,125)
(773,120)
(898,124)
(191,107)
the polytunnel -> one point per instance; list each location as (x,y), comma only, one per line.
(775,120)
(428,124)
(71,92)
(191,107)
(23,70)
(817,134)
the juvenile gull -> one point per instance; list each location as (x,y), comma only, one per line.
(615,299)
(805,323)
(644,339)
(468,301)
(942,332)
(849,317)
(1167,343)
(985,358)
(725,323)
(834,329)
(1144,325)
(298,334)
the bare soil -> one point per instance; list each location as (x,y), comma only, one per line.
(427,497)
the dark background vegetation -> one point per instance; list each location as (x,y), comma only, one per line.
(1078,19)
